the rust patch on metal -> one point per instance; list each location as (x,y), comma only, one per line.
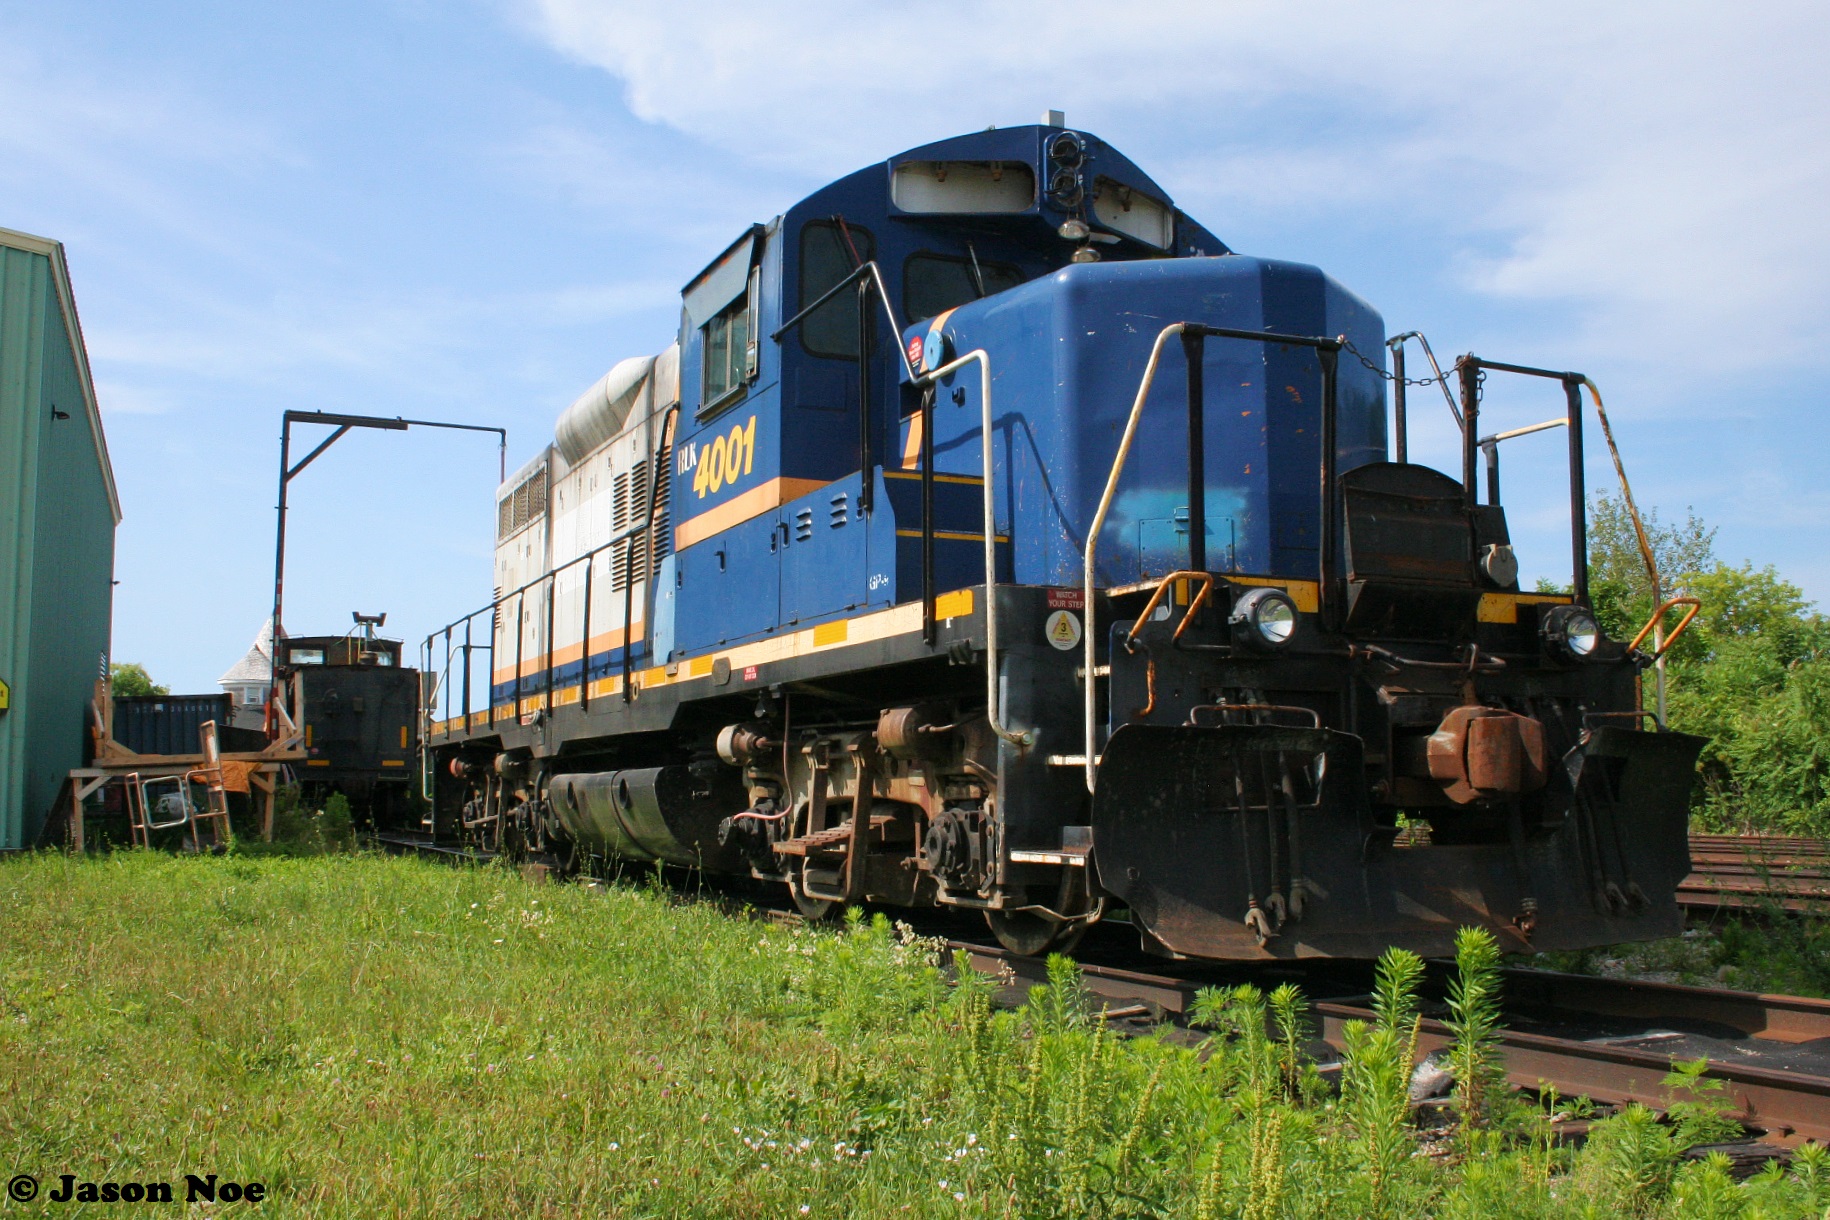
(1479,753)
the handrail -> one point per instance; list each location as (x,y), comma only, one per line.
(883,295)
(1199,600)
(1099,521)
(549,579)
(1490,445)
(1694,608)
(1028,736)
(1327,350)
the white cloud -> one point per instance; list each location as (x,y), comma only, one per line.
(128,398)
(1656,169)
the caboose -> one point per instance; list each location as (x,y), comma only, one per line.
(356,707)
(993,536)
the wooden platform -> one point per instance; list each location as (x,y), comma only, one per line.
(262,769)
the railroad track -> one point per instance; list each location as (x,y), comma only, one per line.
(1758,874)
(401,842)
(1611,1040)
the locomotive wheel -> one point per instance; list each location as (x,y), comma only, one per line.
(1028,934)
(813,910)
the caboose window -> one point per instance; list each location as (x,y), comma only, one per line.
(827,258)
(935,283)
(726,336)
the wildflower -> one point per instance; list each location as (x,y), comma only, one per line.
(971,1140)
(805,1208)
(614,1146)
(959,1196)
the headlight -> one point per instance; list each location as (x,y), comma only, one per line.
(1265,617)
(1572,631)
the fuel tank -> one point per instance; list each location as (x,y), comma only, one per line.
(669,814)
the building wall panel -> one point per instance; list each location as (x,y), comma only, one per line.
(57,518)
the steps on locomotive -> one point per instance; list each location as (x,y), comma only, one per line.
(834,840)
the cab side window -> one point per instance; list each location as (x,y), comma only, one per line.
(827,256)
(726,337)
(934,283)
(722,305)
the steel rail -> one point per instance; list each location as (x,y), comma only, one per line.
(1757,873)
(1790,1106)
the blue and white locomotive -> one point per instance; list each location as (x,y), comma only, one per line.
(995,537)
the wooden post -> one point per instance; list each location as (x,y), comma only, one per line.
(265,780)
(76,817)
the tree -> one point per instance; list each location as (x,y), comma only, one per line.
(1619,586)
(130,678)
(1752,674)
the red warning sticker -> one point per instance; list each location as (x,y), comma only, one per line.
(749,673)
(915,350)
(1067,599)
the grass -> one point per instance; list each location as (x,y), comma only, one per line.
(1784,953)
(376,1036)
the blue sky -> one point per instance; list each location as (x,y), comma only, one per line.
(470,210)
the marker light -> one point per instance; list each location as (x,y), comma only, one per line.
(934,352)
(1266,617)
(1573,631)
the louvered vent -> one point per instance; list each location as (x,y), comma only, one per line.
(638,492)
(619,503)
(663,531)
(524,504)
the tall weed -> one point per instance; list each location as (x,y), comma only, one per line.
(1474,1020)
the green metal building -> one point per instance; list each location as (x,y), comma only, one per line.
(58,512)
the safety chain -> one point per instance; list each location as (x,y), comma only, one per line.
(1361,357)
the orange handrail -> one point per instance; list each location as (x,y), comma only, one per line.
(1207,587)
(1695,607)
